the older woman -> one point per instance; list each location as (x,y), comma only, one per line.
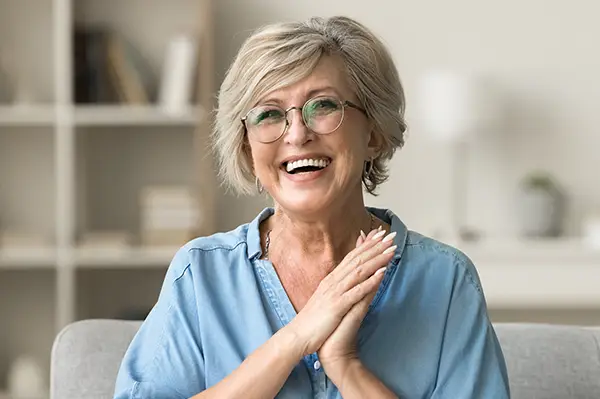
(301,302)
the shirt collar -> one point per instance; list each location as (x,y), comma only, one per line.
(255,249)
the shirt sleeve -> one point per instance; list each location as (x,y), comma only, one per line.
(471,364)
(165,359)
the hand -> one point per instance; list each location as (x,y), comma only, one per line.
(339,350)
(358,275)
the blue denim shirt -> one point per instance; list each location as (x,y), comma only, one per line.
(426,335)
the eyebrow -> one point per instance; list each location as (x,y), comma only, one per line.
(309,95)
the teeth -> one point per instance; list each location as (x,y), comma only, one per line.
(319,163)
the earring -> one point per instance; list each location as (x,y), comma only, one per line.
(368,168)
(259,186)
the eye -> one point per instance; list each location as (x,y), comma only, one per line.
(265,115)
(323,105)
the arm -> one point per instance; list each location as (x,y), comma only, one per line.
(271,364)
(355,381)
(166,360)
(471,363)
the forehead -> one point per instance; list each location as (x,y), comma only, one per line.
(328,76)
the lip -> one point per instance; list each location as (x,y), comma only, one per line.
(304,156)
(304,177)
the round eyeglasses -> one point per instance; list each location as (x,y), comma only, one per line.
(322,115)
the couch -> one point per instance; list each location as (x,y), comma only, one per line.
(544,361)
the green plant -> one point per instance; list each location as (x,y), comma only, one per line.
(539,181)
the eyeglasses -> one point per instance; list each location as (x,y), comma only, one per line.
(322,115)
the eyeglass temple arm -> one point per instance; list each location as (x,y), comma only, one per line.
(351,104)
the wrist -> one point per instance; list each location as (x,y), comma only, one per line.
(288,342)
(341,370)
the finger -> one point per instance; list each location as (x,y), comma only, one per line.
(367,251)
(361,238)
(359,310)
(365,270)
(372,233)
(360,291)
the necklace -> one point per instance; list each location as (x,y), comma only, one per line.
(268,236)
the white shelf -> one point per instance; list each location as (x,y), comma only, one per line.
(523,285)
(27,258)
(139,257)
(22,115)
(544,252)
(538,273)
(124,115)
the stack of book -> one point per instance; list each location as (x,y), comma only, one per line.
(108,69)
(170,216)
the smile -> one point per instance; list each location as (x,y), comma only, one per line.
(306,165)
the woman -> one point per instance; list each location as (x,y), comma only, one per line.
(300,302)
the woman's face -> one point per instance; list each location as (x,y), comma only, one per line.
(343,151)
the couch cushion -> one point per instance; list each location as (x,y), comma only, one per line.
(544,361)
(86,357)
(550,361)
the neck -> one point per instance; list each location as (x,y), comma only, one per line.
(324,237)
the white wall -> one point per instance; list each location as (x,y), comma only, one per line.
(542,54)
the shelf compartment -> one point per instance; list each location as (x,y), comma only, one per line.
(117,294)
(115,165)
(26,52)
(27,183)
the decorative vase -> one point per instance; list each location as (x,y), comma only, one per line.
(540,213)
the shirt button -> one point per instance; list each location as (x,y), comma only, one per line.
(317,365)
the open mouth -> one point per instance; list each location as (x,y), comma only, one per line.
(306,165)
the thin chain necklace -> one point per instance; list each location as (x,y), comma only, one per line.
(268,236)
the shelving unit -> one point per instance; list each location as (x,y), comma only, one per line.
(538,274)
(66,167)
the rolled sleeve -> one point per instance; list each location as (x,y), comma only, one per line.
(471,365)
(165,359)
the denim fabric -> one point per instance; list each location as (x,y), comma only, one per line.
(426,334)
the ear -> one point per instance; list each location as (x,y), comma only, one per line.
(375,143)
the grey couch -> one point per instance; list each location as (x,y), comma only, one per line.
(544,361)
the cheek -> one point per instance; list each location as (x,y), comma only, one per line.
(262,158)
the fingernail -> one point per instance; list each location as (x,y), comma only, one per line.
(362,234)
(389,237)
(378,235)
(380,271)
(390,249)
(380,227)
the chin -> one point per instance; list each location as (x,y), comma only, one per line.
(303,202)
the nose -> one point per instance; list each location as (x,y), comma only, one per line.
(297,133)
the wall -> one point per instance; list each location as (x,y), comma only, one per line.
(542,55)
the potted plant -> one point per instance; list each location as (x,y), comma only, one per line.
(541,206)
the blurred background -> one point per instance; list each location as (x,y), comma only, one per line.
(105,170)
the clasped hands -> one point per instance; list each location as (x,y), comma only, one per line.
(329,322)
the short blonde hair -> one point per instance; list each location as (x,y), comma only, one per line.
(282,54)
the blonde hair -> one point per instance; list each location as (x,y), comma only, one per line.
(282,54)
